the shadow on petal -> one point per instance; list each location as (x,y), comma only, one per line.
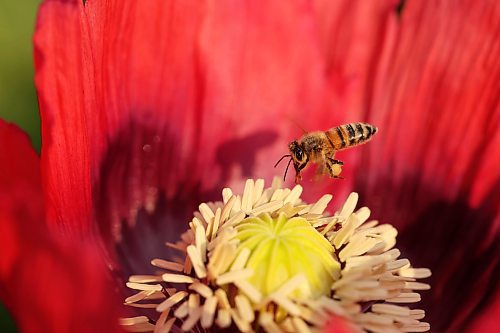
(241,153)
(151,179)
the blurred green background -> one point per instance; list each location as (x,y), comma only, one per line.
(18,102)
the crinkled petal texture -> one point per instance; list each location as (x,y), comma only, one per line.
(434,171)
(49,284)
(148,98)
(167,100)
(148,106)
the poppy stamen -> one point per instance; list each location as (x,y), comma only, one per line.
(267,259)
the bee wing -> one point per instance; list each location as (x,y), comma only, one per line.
(321,174)
(322,170)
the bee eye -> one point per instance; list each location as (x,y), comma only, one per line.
(298,154)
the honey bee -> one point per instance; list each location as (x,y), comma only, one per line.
(320,147)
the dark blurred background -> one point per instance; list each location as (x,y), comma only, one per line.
(18,102)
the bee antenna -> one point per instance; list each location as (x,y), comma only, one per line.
(281,159)
(286,170)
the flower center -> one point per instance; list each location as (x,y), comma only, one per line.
(267,261)
(283,248)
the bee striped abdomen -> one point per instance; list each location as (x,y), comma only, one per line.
(348,135)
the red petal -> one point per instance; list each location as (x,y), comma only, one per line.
(46,285)
(432,89)
(157,97)
(62,89)
(63,288)
(353,35)
(432,169)
(20,163)
(436,103)
(20,192)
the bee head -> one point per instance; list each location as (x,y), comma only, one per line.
(299,156)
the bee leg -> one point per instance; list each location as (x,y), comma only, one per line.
(334,168)
(298,178)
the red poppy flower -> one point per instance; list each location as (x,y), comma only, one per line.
(150,107)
